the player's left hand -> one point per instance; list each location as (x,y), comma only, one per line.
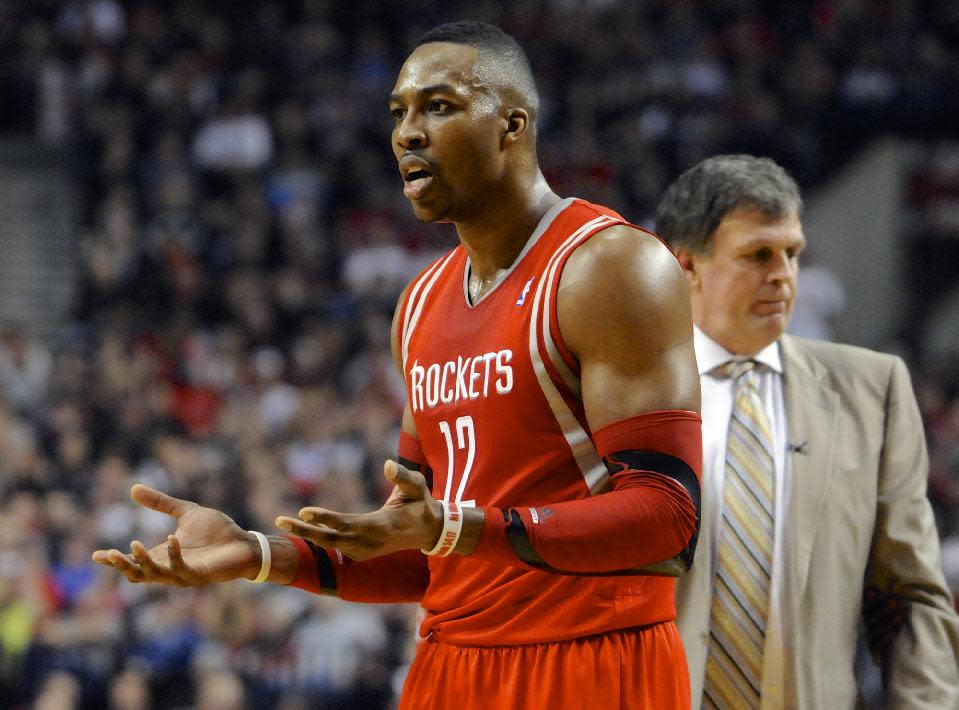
(411,519)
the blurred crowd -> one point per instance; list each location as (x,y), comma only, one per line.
(243,240)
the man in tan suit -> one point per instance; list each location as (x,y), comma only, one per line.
(814,476)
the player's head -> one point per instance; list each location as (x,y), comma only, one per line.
(734,222)
(503,64)
(464,109)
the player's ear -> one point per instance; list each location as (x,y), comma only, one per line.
(515,124)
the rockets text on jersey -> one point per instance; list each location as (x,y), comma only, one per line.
(468,377)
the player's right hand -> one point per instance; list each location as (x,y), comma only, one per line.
(207,546)
(411,519)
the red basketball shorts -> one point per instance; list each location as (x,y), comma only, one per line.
(633,669)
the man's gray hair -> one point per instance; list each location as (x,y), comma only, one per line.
(701,197)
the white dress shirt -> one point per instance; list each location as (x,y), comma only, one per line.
(717,406)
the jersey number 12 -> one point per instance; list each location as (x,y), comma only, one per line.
(465,440)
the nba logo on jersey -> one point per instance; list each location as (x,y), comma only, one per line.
(522,297)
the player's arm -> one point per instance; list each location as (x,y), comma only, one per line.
(623,311)
(209,547)
(410,454)
(401,575)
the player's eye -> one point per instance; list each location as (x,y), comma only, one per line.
(397,113)
(437,106)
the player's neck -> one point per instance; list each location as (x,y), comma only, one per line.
(494,241)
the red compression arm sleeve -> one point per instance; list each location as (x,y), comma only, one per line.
(411,450)
(647,517)
(400,577)
(411,455)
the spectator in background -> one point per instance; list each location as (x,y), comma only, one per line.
(129,690)
(237,138)
(221,690)
(19,614)
(60,691)
(815,473)
(332,648)
(25,366)
(820,298)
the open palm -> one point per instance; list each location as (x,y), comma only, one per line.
(207,546)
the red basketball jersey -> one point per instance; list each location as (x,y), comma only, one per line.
(495,397)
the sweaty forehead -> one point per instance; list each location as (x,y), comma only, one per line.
(440,63)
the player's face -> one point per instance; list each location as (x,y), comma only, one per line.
(446,132)
(743,289)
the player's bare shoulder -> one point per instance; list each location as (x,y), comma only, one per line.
(623,279)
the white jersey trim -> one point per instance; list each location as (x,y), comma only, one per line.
(418,295)
(584,453)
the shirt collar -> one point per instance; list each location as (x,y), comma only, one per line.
(710,354)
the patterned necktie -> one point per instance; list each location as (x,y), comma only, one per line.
(740,601)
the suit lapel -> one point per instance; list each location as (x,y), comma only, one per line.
(811,410)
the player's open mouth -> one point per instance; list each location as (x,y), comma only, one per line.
(417,183)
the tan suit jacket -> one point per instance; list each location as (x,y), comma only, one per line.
(859,517)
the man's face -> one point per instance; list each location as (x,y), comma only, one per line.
(743,289)
(446,132)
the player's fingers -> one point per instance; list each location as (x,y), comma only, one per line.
(177,566)
(125,565)
(101,557)
(323,536)
(412,483)
(159,501)
(326,518)
(105,557)
(151,570)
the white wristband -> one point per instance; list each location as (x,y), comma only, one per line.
(452,527)
(265,556)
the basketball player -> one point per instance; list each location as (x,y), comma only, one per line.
(551,447)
